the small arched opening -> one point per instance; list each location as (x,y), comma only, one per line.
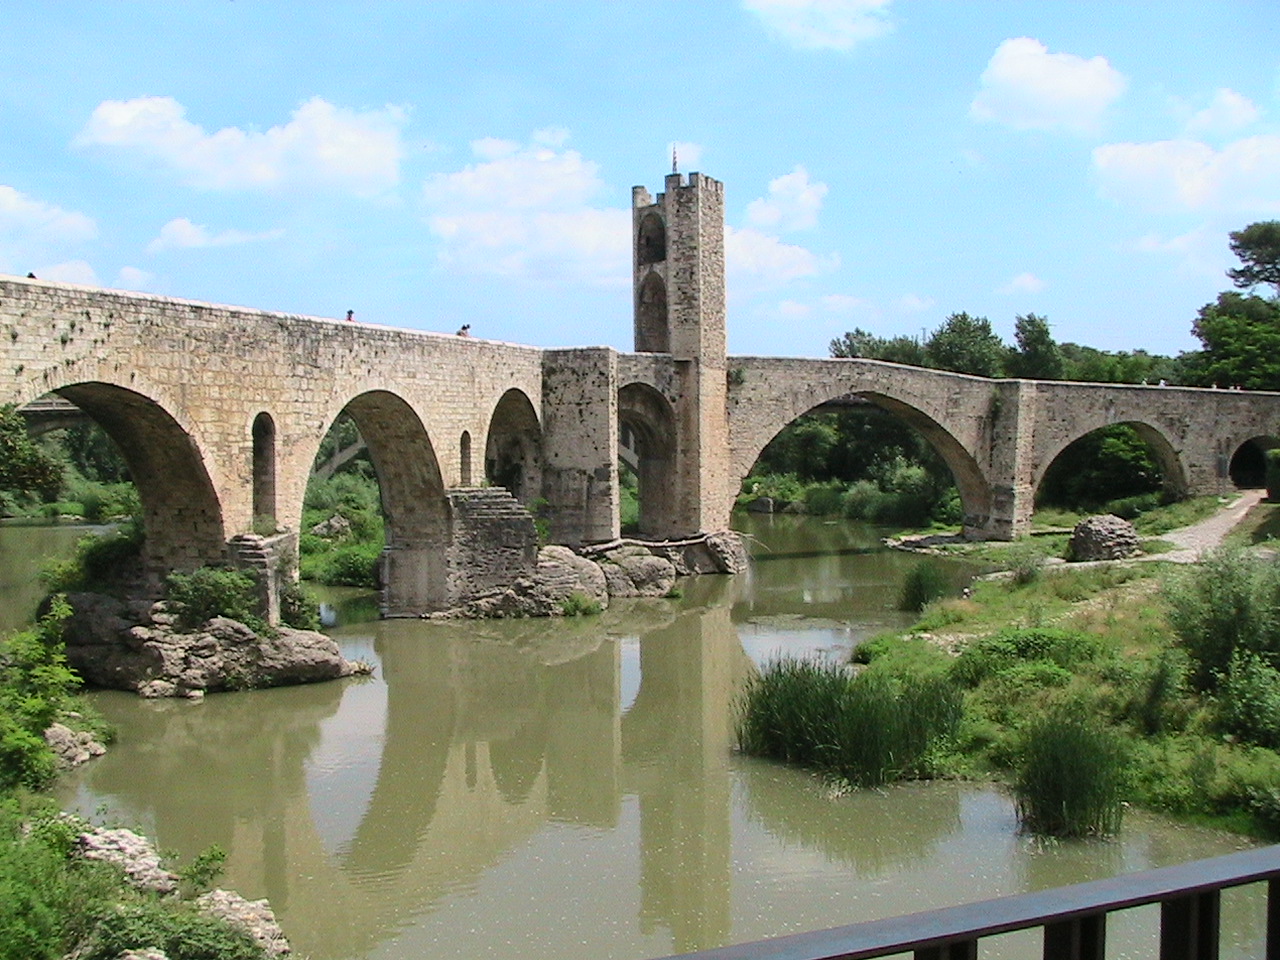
(264,472)
(512,456)
(464,458)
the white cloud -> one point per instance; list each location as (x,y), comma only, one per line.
(793,202)
(33,232)
(794,310)
(28,220)
(525,210)
(845,304)
(322,144)
(1201,252)
(1173,175)
(132,278)
(1228,112)
(71,271)
(914,303)
(823,24)
(763,259)
(1028,88)
(183,234)
(1022,283)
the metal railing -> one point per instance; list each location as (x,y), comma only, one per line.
(1074,919)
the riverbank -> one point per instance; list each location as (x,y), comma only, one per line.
(1195,698)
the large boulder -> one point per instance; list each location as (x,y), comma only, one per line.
(1104,537)
(632,571)
(563,582)
(108,647)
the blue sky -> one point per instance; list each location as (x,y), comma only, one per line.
(886,162)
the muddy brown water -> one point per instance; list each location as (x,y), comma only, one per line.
(569,789)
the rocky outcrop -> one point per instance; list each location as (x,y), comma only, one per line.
(632,571)
(254,916)
(111,645)
(562,582)
(143,867)
(132,853)
(72,748)
(1104,537)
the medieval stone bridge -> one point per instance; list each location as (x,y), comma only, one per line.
(219,412)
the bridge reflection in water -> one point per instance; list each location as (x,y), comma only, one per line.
(555,790)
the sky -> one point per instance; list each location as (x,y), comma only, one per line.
(886,162)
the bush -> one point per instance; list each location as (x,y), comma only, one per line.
(352,564)
(579,605)
(1228,604)
(35,682)
(924,583)
(1249,701)
(100,562)
(48,903)
(298,607)
(209,592)
(1071,774)
(985,657)
(174,927)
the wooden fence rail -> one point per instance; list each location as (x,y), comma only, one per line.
(1074,919)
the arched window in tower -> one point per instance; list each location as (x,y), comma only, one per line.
(651,316)
(651,240)
(464,453)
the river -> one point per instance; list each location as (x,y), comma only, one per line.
(568,789)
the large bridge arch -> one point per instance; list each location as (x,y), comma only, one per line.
(182,512)
(648,420)
(952,412)
(1175,481)
(414,563)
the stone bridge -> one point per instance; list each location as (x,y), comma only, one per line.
(219,412)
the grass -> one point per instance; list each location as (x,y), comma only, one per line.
(1260,525)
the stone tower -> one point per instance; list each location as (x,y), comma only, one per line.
(679,302)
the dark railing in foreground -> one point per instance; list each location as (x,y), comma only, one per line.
(1074,919)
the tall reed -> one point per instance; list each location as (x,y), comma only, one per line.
(1071,775)
(866,729)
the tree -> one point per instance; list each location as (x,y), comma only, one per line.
(862,344)
(1038,356)
(1258,247)
(23,467)
(1241,337)
(965,344)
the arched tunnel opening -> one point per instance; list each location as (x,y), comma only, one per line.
(1122,468)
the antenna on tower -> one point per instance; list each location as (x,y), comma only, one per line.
(674,167)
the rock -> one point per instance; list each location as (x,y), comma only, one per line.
(132,853)
(635,572)
(72,748)
(160,660)
(1104,537)
(760,505)
(333,528)
(560,575)
(146,953)
(255,916)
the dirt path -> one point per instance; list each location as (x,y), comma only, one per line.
(1193,540)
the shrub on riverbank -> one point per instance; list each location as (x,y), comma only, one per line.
(865,729)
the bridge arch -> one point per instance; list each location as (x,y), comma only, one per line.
(512,456)
(649,421)
(1174,482)
(1246,466)
(975,492)
(181,510)
(413,504)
